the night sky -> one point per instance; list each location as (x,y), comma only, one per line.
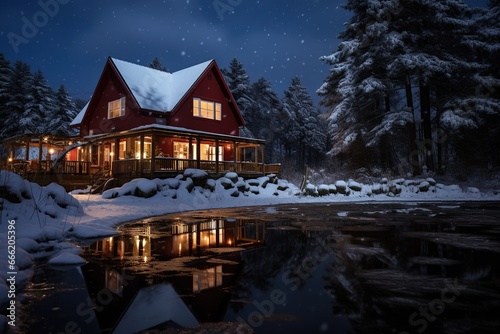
(70,42)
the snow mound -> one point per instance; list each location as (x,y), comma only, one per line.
(194,184)
(138,187)
(67,259)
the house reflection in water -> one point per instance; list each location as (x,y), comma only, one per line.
(181,239)
(145,254)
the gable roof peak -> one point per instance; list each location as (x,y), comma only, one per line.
(155,89)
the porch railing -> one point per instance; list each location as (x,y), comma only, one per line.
(74,167)
(134,166)
(64,167)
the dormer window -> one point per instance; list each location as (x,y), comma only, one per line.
(207,109)
(116,108)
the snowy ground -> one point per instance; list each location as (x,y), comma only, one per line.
(46,219)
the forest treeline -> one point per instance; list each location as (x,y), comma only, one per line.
(414,86)
(29,105)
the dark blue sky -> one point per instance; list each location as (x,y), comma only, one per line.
(71,41)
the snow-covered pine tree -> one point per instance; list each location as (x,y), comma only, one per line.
(436,60)
(21,89)
(474,117)
(157,65)
(39,109)
(262,118)
(63,114)
(358,91)
(5,79)
(301,131)
(387,46)
(239,84)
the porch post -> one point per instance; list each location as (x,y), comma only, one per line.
(101,155)
(116,156)
(190,150)
(216,155)
(236,153)
(27,153)
(141,156)
(153,154)
(198,150)
(40,151)
(263,147)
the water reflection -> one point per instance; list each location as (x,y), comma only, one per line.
(192,267)
(378,268)
(177,239)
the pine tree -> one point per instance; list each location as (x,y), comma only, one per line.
(157,65)
(387,46)
(5,79)
(63,114)
(301,128)
(262,117)
(475,119)
(21,89)
(239,85)
(357,91)
(40,107)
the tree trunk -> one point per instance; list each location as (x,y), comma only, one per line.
(385,145)
(413,158)
(425,112)
(439,135)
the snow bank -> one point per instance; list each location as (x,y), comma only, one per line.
(40,217)
(180,194)
(194,182)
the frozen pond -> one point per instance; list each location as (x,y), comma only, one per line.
(337,268)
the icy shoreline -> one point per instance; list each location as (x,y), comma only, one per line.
(46,219)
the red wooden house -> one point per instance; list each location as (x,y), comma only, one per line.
(149,123)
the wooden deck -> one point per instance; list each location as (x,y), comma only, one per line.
(78,175)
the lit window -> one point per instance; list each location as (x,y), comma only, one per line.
(207,109)
(116,108)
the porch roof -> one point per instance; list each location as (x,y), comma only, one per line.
(173,130)
(38,137)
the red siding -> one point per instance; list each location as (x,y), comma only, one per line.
(210,88)
(112,89)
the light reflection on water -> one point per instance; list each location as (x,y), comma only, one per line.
(374,268)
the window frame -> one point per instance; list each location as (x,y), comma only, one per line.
(201,109)
(121,108)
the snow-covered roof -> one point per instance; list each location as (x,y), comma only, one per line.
(78,119)
(154,89)
(158,90)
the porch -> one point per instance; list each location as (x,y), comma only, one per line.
(161,151)
(153,151)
